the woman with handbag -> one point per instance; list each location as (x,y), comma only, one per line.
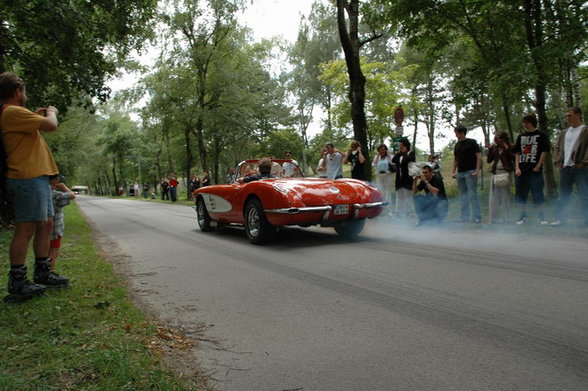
(404,179)
(501,155)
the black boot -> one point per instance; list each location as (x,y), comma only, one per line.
(19,285)
(44,275)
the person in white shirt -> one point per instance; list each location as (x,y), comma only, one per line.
(333,162)
(321,167)
(382,164)
(571,157)
(290,169)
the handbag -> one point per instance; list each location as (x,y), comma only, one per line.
(414,169)
(501,180)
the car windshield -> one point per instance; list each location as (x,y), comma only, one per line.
(280,169)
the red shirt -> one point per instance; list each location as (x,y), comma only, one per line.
(173,183)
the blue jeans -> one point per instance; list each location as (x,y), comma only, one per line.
(430,207)
(567,177)
(468,194)
(31,199)
(532,182)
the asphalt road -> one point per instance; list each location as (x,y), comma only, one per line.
(401,308)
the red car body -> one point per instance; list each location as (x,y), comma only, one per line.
(265,204)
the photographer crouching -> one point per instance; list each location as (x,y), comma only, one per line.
(431,206)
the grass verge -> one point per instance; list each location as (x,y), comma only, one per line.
(86,337)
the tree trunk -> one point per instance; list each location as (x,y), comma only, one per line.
(351,47)
(199,133)
(534,30)
(507,119)
(114,177)
(189,159)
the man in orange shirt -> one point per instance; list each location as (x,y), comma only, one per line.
(30,166)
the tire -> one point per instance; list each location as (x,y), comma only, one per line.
(204,220)
(350,229)
(257,228)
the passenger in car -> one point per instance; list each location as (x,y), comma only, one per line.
(265,168)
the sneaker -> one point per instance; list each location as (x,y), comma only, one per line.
(522,221)
(477,220)
(19,284)
(44,275)
(556,223)
(543,222)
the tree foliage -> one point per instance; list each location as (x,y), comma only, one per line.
(68,49)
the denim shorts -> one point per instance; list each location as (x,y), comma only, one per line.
(530,182)
(31,199)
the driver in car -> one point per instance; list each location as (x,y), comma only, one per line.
(265,167)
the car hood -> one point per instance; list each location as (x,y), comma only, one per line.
(315,191)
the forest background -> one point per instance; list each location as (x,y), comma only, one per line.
(213,96)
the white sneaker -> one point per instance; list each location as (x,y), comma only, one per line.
(544,222)
(522,221)
(556,223)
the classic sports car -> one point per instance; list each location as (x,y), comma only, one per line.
(264,205)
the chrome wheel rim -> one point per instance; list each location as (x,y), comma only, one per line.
(253,222)
(200,211)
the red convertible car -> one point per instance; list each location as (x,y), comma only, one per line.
(264,205)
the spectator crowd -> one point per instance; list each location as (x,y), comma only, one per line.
(37,191)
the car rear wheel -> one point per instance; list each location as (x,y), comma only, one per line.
(204,220)
(351,228)
(258,229)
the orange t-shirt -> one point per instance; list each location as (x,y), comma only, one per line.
(28,153)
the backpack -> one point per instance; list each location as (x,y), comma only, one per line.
(5,210)
(3,158)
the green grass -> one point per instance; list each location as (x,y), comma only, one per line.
(86,337)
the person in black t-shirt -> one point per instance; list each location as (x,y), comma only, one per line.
(431,206)
(356,159)
(466,167)
(531,149)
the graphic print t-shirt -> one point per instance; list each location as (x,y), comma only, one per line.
(530,146)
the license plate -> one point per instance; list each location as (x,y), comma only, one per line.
(341,209)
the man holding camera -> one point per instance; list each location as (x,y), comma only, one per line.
(30,165)
(431,206)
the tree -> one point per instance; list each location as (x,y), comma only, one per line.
(348,23)
(531,33)
(68,49)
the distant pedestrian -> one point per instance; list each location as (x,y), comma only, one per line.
(501,155)
(193,185)
(531,149)
(164,184)
(231,176)
(136,190)
(173,187)
(571,157)
(205,181)
(356,159)
(467,161)
(403,181)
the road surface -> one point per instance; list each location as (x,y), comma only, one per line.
(401,308)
